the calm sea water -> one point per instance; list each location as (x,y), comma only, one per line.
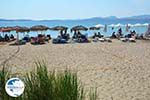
(54,34)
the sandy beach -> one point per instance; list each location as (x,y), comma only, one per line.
(120,71)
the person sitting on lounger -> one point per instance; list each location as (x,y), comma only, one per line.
(74,35)
(49,36)
(119,35)
(26,38)
(79,34)
(65,36)
(1,38)
(120,31)
(11,36)
(100,35)
(113,35)
(6,37)
(129,35)
(133,34)
(95,35)
(41,39)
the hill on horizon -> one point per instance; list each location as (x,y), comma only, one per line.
(142,19)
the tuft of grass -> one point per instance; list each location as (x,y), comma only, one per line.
(67,87)
(4,74)
(39,84)
(43,85)
(93,94)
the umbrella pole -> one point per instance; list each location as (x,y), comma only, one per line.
(17,37)
(3,34)
(23,34)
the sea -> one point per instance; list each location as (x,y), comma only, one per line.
(70,24)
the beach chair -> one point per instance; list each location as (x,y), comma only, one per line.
(34,40)
(101,40)
(108,40)
(20,42)
(59,41)
(132,40)
(124,39)
(2,39)
(95,39)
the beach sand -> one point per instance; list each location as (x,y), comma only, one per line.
(120,71)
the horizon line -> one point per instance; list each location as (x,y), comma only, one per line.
(63,19)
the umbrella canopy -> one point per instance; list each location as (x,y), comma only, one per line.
(94,28)
(99,25)
(22,29)
(59,28)
(6,29)
(79,27)
(39,28)
(16,27)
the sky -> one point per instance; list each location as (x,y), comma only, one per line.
(71,9)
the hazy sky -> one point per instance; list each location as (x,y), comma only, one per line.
(71,9)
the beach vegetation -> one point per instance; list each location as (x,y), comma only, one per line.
(40,84)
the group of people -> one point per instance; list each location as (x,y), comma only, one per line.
(97,35)
(79,37)
(7,38)
(63,37)
(132,34)
(40,39)
(120,34)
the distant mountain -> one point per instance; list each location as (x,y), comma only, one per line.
(111,17)
(94,18)
(15,20)
(139,17)
(88,21)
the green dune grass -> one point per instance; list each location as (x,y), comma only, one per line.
(43,85)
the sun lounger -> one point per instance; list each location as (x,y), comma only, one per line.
(95,39)
(2,39)
(20,42)
(124,39)
(107,39)
(59,41)
(132,40)
(101,39)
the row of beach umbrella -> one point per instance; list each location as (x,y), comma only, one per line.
(40,28)
(56,28)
